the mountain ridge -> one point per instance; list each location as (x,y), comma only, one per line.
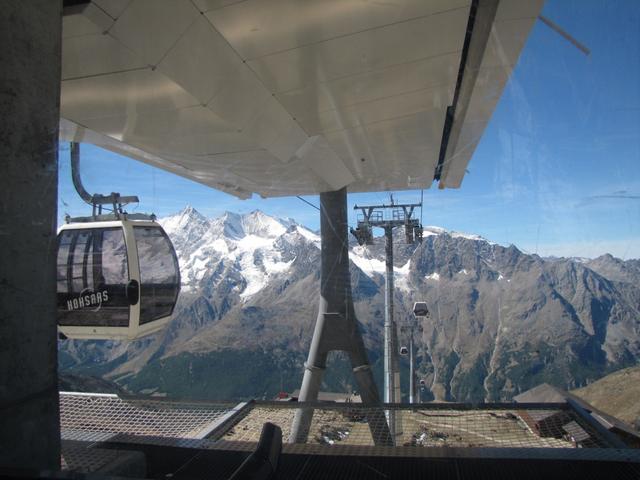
(502,319)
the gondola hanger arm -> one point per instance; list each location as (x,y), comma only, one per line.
(96,199)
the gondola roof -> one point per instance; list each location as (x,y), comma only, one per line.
(289,97)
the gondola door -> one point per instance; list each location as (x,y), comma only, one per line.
(159,276)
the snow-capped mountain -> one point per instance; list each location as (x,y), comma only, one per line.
(254,244)
(259,246)
(502,320)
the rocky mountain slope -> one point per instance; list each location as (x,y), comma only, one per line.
(617,394)
(502,321)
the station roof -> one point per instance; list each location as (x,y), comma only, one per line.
(286,97)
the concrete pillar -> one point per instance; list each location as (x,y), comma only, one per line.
(30,35)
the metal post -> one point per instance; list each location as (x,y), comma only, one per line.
(389,378)
(336,325)
(395,356)
(420,310)
(411,373)
(391,361)
(397,394)
(30,35)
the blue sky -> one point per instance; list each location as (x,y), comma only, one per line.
(557,171)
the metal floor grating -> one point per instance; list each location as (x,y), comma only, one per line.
(107,418)
(110,435)
(94,417)
(427,426)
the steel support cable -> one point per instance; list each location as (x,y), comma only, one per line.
(307,202)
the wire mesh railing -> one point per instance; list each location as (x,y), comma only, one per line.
(90,417)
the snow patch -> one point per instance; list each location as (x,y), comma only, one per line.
(369,265)
(257,223)
(433,276)
(466,235)
(257,275)
(403,270)
(401,276)
(199,264)
(255,278)
(430,230)
(253,242)
(308,234)
(220,245)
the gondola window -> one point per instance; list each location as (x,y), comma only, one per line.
(92,274)
(159,276)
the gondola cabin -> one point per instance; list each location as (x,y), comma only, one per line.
(117,278)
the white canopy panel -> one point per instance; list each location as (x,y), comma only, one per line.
(291,97)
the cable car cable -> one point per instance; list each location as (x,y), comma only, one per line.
(308,203)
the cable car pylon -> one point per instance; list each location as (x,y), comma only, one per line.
(401,216)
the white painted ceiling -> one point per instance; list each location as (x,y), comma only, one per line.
(285,97)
